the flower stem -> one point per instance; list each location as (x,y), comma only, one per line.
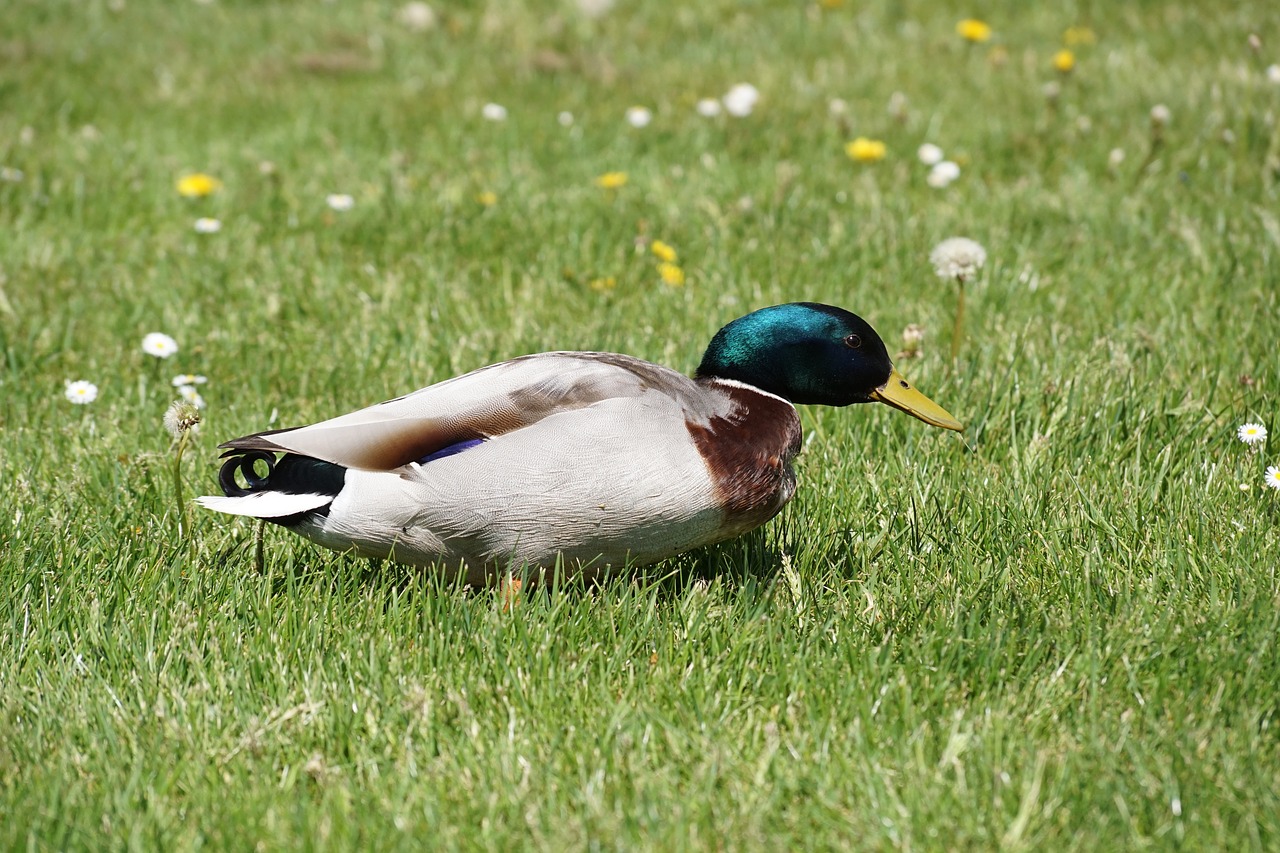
(958,330)
(179,507)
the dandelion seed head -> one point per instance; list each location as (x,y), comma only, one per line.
(929,154)
(416,16)
(958,258)
(942,174)
(159,345)
(708,107)
(741,99)
(181,417)
(639,116)
(81,392)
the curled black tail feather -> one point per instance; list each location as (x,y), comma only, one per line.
(244,463)
(291,474)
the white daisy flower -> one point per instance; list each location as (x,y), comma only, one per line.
(191,395)
(708,108)
(81,392)
(741,99)
(416,16)
(639,116)
(494,112)
(340,202)
(958,257)
(189,379)
(1272,478)
(942,174)
(207,225)
(159,344)
(1252,433)
(929,154)
(565,118)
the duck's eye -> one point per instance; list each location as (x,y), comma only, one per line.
(853,341)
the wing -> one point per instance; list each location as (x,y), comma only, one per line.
(482,404)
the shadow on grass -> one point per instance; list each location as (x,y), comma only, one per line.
(751,564)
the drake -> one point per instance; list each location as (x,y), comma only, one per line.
(597,459)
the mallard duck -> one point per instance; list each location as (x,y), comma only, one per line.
(586,460)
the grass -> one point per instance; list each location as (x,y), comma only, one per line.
(1059,632)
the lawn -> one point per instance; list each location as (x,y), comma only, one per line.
(1057,630)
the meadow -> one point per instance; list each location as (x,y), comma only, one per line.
(1057,630)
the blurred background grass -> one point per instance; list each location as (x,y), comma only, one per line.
(1056,632)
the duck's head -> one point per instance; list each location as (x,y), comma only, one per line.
(806,352)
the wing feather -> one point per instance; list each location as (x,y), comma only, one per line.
(483,404)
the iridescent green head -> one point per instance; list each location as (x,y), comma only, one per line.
(809,353)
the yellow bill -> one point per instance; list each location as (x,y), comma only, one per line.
(897,392)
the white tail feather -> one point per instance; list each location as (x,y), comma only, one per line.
(264,504)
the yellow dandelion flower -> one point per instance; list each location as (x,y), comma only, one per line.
(1064,61)
(612,180)
(663,251)
(1074,36)
(971,29)
(865,150)
(198,185)
(671,274)
(603,285)
(487,198)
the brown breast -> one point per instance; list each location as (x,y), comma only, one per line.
(749,453)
